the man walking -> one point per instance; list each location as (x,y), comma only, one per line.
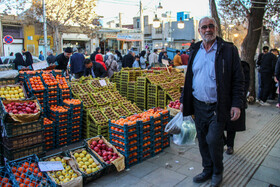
(213,92)
(63,59)
(161,55)
(258,65)
(177,59)
(153,58)
(77,63)
(50,58)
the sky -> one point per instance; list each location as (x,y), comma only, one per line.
(130,8)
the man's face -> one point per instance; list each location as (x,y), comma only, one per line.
(67,55)
(88,65)
(275,53)
(207,30)
(48,53)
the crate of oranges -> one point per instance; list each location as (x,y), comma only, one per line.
(49,133)
(27,173)
(59,113)
(6,177)
(51,85)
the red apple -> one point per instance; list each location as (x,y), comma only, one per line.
(99,146)
(96,149)
(94,143)
(105,154)
(114,158)
(105,158)
(108,162)
(100,142)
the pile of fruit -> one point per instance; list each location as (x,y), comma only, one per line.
(49,80)
(25,107)
(99,99)
(104,151)
(72,101)
(86,100)
(12,92)
(86,88)
(64,176)
(174,104)
(86,162)
(98,116)
(36,83)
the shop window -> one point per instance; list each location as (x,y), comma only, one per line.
(159,30)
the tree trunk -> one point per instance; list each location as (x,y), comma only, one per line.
(214,14)
(250,42)
(57,41)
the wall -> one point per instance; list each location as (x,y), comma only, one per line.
(31,40)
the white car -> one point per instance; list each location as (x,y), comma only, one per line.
(7,61)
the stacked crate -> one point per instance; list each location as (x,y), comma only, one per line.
(146,139)
(125,139)
(141,92)
(165,118)
(131,91)
(98,124)
(22,139)
(162,100)
(123,83)
(152,97)
(62,126)
(50,134)
(157,130)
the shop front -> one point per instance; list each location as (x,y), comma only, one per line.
(80,41)
(129,41)
(109,40)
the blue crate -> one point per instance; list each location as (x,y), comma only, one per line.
(142,147)
(126,146)
(31,159)
(128,162)
(125,128)
(5,172)
(57,116)
(127,152)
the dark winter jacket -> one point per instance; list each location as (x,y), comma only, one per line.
(128,60)
(268,62)
(229,81)
(18,61)
(277,70)
(77,63)
(98,70)
(62,62)
(160,57)
(51,59)
(28,59)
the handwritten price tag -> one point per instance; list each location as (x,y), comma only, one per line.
(50,166)
(102,82)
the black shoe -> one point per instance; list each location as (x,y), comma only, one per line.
(202,177)
(216,180)
(229,151)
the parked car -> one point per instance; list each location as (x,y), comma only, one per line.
(8,61)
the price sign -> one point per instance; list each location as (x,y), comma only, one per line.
(50,166)
(102,82)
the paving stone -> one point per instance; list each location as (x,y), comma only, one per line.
(269,175)
(125,181)
(271,162)
(170,161)
(254,183)
(190,169)
(277,144)
(142,169)
(193,155)
(142,184)
(275,151)
(164,177)
(108,178)
(188,181)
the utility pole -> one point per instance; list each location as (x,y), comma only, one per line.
(142,26)
(45,30)
(120,19)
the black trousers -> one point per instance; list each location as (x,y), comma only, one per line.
(266,82)
(229,139)
(210,136)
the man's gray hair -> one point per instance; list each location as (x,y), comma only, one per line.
(50,51)
(206,17)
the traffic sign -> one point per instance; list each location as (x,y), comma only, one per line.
(8,39)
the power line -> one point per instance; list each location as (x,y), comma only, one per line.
(119,2)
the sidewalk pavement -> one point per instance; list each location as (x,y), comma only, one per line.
(177,165)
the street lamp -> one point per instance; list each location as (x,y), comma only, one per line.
(156,22)
(235,35)
(180,24)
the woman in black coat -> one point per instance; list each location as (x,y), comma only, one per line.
(28,59)
(18,60)
(239,125)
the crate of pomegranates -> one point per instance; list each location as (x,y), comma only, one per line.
(106,153)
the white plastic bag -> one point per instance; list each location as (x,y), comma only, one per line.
(172,127)
(188,132)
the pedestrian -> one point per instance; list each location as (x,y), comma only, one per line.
(277,79)
(41,56)
(63,59)
(192,45)
(153,58)
(272,94)
(50,58)
(258,65)
(143,60)
(136,63)
(119,59)
(28,60)
(94,69)
(12,54)
(77,66)
(213,93)
(18,61)
(1,61)
(177,59)
(239,125)
(99,59)
(184,58)
(97,51)
(108,53)
(128,60)
(267,69)
(111,65)
(161,55)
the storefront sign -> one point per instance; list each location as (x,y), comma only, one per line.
(110,35)
(41,41)
(129,36)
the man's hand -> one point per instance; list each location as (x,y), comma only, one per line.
(181,107)
(234,113)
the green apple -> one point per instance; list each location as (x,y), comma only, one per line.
(58,173)
(71,172)
(94,165)
(68,176)
(82,155)
(90,160)
(85,159)
(66,180)
(74,175)
(84,152)
(76,155)
(68,168)
(61,178)
(88,156)
(64,172)
(58,159)
(63,161)
(78,159)
(87,163)
(89,171)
